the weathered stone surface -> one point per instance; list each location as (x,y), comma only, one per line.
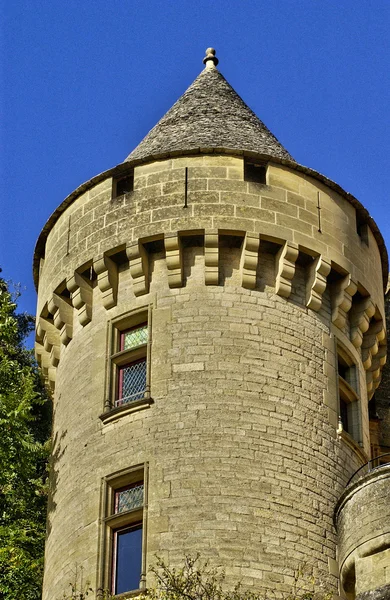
(363,517)
(210,114)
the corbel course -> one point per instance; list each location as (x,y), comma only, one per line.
(62,313)
(371,339)
(250,260)
(81,296)
(361,315)
(44,362)
(285,268)
(49,338)
(107,278)
(211,257)
(174,258)
(139,268)
(341,294)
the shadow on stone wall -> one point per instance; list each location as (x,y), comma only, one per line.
(58,452)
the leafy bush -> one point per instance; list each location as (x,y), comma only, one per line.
(25,428)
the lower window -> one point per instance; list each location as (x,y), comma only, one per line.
(124,540)
(127,559)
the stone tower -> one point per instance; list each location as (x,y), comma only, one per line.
(211,315)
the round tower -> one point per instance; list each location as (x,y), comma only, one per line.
(211,316)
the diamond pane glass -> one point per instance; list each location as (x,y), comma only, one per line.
(134,337)
(132,382)
(130,498)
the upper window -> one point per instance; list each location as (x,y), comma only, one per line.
(131,364)
(255,172)
(128,377)
(123,185)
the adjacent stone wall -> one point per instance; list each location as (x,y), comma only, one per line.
(363,525)
(382,396)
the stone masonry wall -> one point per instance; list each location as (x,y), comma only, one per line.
(364,550)
(245,463)
(245,467)
(218,198)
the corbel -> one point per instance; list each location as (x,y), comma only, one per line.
(139,268)
(316,283)
(50,340)
(285,268)
(341,294)
(62,313)
(81,296)
(45,364)
(361,315)
(107,279)
(375,334)
(250,260)
(174,258)
(211,258)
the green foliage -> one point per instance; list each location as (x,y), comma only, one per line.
(80,588)
(25,428)
(196,581)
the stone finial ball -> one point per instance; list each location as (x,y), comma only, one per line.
(210,55)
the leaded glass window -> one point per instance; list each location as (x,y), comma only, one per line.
(132,382)
(130,372)
(133,338)
(129,498)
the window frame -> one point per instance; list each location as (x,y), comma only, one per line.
(349,395)
(112,523)
(117,359)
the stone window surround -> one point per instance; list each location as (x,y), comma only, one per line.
(110,522)
(348,391)
(115,327)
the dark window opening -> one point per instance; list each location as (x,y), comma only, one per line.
(362,228)
(342,369)
(344,414)
(124,185)
(255,172)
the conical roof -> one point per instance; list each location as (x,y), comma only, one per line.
(210,115)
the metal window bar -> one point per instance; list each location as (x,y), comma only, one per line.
(134,337)
(132,382)
(129,498)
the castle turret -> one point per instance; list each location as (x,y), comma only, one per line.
(211,320)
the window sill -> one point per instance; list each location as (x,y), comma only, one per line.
(349,441)
(125,409)
(132,594)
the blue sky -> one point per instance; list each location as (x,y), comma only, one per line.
(83,81)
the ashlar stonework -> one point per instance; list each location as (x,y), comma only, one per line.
(213,351)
